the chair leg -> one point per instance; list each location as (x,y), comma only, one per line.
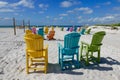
(31,61)
(59,58)
(72,57)
(45,71)
(91,54)
(98,59)
(62,63)
(81,49)
(87,61)
(78,60)
(27,64)
(77,56)
(47,57)
(46,61)
(59,55)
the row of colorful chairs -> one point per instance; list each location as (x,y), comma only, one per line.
(82,30)
(50,33)
(71,29)
(68,54)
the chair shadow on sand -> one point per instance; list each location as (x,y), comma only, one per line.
(55,68)
(55,39)
(95,66)
(1,71)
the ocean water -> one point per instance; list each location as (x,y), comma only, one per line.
(11,26)
(6,26)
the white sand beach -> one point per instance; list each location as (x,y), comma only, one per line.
(13,63)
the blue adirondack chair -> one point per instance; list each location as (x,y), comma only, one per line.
(41,32)
(69,53)
(68,29)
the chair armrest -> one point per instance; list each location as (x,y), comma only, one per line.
(46,47)
(84,43)
(60,46)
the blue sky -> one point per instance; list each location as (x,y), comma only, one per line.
(60,12)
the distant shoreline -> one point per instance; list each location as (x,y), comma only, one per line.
(11,26)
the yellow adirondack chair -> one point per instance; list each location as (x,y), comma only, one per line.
(36,53)
(28,31)
(46,29)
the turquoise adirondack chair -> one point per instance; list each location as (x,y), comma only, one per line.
(41,32)
(75,29)
(82,31)
(69,53)
(93,47)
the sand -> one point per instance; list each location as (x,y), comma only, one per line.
(12,58)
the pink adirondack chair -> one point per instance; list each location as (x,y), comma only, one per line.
(71,29)
(34,30)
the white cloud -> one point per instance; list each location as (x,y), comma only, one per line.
(11,7)
(63,14)
(97,6)
(79,17)
(25,3)
(72,21)
(41,12)
(55,19)
(5,18)
(69,3)
(85,10)
(70,11)
(3,4)
(47,17)
(16,14)
(116,8)
(43,6)
(107,3)
(105,19)
(6,10)
(66,4)
(79,22)
(1,18)
(103,4)
(61,18)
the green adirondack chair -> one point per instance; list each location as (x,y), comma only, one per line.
(93,47)
(87,31)
(62,28)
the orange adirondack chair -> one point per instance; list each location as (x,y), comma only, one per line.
(51,34)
